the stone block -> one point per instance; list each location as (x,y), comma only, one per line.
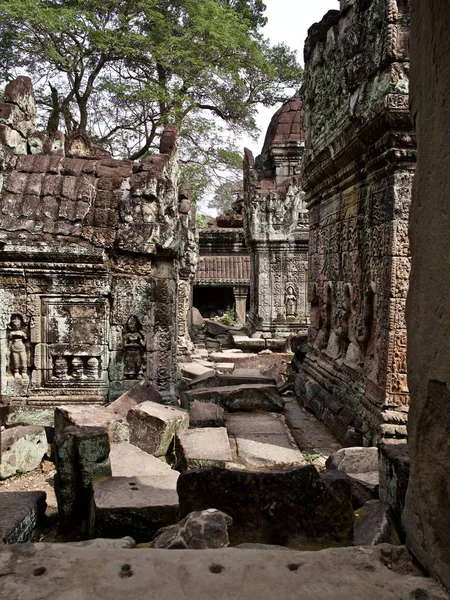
(374,524)
(136,506)
(142,392)
(153,426)
(129,460)
(20,512)
(204,447)
(248,344)
(393,462)
(22,449)
(194,369)
(91,416)
(203,414)
(214,328)
(354,460)
(197,318)
(240,397)
(198,531)
(276,344)
(225,367)
(238,377)
(365,487)
(294,508)
(82,455)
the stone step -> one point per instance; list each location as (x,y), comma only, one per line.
(249,397)
(205,447)
(20,512)
(263,441)
(135,506)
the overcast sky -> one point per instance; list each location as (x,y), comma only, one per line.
(288,22)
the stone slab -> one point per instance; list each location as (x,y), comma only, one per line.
(354,460)
(248,344)
(202,414)
(128,460)
(365,487)
(205,447)
(135,506)
(374,524)
(238,377)
(142,392)
(378,573)
(245,397)
(20,512)
(153,426)
(91,415)
(225,367)
(194,369)
(263,441)
(22,449)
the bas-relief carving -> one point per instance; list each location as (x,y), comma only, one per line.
(133,348)
(18,347)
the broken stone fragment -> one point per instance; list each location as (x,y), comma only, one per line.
(245,398)
(153,426)
(203,414)
(82,455)
(22,449)
(142,392)
(20,512)
(354,460)
(205,447)
(92,416)
(374,524)
(192,370)
(290,508)
(215,328)
(198,531)
(20,92)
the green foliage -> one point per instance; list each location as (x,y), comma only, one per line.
(225,194)
(122,69)
(229,315)
(201,221)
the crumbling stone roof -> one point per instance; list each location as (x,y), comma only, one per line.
(226,268)
(285,125)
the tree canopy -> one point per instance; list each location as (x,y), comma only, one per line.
(122,69)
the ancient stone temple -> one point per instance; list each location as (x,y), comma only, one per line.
(358,169)
(276,226)
(93,251)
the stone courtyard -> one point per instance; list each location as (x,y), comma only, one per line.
(298,448)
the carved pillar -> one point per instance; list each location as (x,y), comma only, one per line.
(240,297)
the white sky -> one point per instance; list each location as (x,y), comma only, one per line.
(288,22)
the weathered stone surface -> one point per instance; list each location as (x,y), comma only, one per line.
(248,397)
(374,524)
(197,318)
(82,455)
(104,543)
(192,370)
(238,377)
(128,460)
(291,508)
(394,467)
(365,487)
(225,367)
(248,344)
(135,506)
(153,426)
(91,416)
(197,531)
(203,414)
(354,460)
(263,441)
(22,449)
(214,328)
(380,573)
(142,392)
(20,512)
(205,447)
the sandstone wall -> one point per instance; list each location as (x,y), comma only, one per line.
(357,176)
(275,226)
(92,253)
(426,516)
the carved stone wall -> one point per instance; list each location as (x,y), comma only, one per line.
(92,252)
(276,227)
(358,169)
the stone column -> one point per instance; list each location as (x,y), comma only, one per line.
(240,297)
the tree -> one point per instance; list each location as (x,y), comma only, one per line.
(122,69)
(226,195)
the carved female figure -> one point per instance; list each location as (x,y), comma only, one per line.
(133,345)
(17,349)
(290,301)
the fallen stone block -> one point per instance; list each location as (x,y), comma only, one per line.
(276,344)
(263,441)
(142,392)
(82,455)
(364,487)
(129,460)
(294,508)
(194,369)
(203,414)
(225,367)
(133,506)
(198,531)
(153,426)
(374,524)
(205,447)
(354,460)
(245,398)
(238,377)
(393,461)
(214,328)
(248,344)
(197,318)
(20,512)
(92,416)
(22,449)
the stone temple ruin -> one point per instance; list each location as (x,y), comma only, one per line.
(174,431)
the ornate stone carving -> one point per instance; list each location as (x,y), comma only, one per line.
(133,348)
(18,352)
